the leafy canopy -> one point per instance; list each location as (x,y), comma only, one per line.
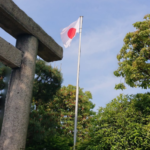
(51,124)
(63,106)
(123,124)
(42,124)
(134,57)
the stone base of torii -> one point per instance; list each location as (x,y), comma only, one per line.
(31,40)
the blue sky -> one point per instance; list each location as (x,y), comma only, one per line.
(105,25)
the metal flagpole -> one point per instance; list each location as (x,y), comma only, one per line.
(77,86)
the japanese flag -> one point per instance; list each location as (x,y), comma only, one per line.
(69,33)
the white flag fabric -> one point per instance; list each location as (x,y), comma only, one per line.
(69,33)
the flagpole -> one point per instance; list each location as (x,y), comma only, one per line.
(77,86)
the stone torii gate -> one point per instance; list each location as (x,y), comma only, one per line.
(32,40)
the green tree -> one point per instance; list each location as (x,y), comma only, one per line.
(52,122)
(123,124)
(63,106)
(134,57)
(61,109)
(46,83)
(4,78)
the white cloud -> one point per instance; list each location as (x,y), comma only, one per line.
(102,83)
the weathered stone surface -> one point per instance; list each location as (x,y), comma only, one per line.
(14,21)
(9,54)
(18,99)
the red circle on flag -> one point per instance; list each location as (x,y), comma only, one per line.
(71,33)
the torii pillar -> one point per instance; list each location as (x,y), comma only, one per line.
(31,41)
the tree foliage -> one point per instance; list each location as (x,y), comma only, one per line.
(4,75)
(134,56)
(47,81)
(42,123)
(123,124)
(53,118)
(63,106)
(4,78)
(59,112)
